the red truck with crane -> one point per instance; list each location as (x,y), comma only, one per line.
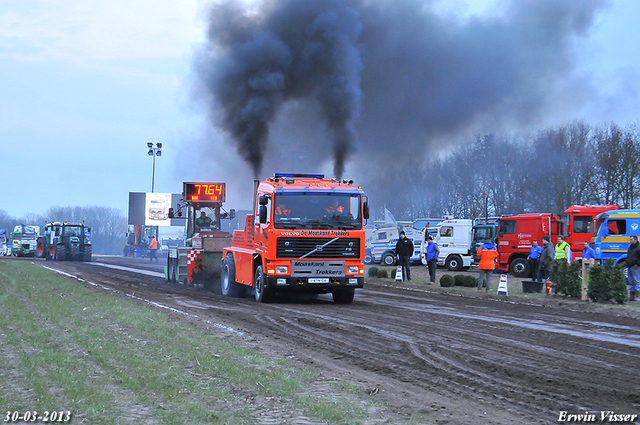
(306,234)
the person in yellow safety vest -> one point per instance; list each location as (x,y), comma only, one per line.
(563,249)
(153,248)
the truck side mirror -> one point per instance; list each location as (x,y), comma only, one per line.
(264,199)
(170,212)
(232,213)
(263,214)
(365,210)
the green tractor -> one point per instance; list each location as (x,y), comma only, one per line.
(65,241)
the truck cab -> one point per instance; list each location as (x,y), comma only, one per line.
(613,229)
(515,239)
(453,237)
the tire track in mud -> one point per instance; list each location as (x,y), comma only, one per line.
(524,360)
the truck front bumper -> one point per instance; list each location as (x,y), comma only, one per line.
(304,284)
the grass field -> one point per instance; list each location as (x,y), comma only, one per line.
(106,360)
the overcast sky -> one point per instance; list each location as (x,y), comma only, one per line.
(86,83)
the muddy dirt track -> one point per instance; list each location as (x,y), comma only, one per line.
(460,359)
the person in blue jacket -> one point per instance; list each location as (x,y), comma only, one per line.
(432,258)
(534,257)
(588,252)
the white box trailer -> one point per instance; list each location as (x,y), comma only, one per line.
(380,244)
(454,241)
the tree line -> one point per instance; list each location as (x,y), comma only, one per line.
(108,225)
(575,164)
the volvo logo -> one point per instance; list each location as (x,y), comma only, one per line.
(319,248)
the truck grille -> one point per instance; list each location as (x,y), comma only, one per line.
(297,247)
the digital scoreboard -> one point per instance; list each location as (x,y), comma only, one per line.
(202,192)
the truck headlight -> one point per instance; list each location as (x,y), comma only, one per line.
(353,269)
(282,269)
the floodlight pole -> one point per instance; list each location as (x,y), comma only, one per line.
(154,151)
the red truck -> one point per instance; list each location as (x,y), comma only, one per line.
(306,235)
(515,238)
(581,224)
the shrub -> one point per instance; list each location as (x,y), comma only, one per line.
(382,274)
(373,272)
(458,280)
(607,282)
(470,281)
(446,281)
(566,278)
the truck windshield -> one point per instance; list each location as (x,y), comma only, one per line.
(481,233)
(317,211)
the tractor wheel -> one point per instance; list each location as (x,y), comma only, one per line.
(86,254)
(60,253)
(388,259)
(343,295)
(228,284)
(171,271)
(41,250)
(263,293)
(453,263)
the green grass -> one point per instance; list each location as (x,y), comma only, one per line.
(110,361)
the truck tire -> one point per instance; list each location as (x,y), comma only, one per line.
(263,293)
(520,267)
(228,284)
(86,254)
(368,258)
(343,295)
(453,263)
(388,259)
(60,253)
(41,250)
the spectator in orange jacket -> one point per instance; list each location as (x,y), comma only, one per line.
(488,256)
(153,249)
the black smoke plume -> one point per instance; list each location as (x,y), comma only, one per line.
(407,80)
(291,49)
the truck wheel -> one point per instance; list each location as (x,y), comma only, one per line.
(520,267)
(343,295)
(368,258)
(228,285)
(453,263)
(60,253)
(41,250)
(389,259)
(263,293)
(86,254)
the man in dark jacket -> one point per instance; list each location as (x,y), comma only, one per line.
(404,251)
(632,262)
(544,264)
